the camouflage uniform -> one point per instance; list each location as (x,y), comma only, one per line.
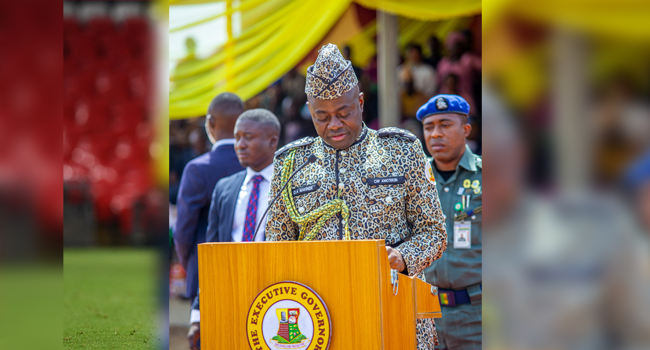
(384,179)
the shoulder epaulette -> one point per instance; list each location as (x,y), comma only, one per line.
(298,143)
(392,131)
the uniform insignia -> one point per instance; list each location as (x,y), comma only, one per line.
(298,143)
(441,104)
(395,180)
(392,131)
(479,162)
(429,174)
(304,189)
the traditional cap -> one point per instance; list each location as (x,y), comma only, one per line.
(331,76)
(443,104)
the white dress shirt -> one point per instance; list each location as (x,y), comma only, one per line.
(242,203)
(240,211)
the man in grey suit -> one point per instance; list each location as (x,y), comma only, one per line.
(238,201)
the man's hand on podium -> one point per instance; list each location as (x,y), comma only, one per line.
(395,259)
(194,336)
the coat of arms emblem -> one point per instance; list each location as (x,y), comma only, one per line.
(288,315)
(289,331)
(441,104)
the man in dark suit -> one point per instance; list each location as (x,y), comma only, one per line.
(239,201)
(198,180)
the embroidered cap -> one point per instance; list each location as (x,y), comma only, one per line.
(443,104)
(331,76)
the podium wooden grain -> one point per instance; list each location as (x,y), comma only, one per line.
(352,278)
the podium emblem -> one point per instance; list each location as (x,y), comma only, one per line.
(288,315)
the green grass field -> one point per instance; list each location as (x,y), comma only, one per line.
(110,299)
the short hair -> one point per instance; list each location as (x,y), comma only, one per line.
(227,102)
(229,106)
(264,117)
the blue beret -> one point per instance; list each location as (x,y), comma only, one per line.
(443,104)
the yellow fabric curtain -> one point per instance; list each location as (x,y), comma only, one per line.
(429,10)
(273,36)
(628,18)
(263,53)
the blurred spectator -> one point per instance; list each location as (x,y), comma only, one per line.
(293,85)
(371,70)
(636,183)
(198,180)
(347,54)
(410,98)
(423,75)
(464,64)
(451,86)
(621,129)
(368,81)
(435,51)
(190,57)
(294,125)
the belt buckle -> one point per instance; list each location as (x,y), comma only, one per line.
(447,298)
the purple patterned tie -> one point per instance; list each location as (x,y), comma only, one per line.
(251,211)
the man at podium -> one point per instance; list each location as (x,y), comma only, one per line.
(363,184)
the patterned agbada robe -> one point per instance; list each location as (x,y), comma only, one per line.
(384,180)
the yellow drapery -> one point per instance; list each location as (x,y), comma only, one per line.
(275,36)
(426,10)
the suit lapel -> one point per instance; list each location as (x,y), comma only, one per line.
(228,205)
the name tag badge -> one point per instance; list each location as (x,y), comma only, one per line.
(395,180)
(462,235)
(304,189)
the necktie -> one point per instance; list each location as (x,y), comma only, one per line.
(251,211)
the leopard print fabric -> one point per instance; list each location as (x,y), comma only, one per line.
(383,181)
(331,76)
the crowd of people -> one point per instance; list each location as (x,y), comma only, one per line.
(450,69)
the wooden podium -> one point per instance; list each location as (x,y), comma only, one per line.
(352,278)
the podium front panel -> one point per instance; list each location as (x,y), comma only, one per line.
(345,274)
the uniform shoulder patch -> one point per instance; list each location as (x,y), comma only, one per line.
(392,131)
(298,143)
(429,173)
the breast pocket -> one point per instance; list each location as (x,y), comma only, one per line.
(386,204)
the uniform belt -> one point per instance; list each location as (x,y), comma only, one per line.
(451,298)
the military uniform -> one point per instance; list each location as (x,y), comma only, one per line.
(457,273)
(378,188)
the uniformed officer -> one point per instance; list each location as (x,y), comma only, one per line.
(365,184)
(457,171)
